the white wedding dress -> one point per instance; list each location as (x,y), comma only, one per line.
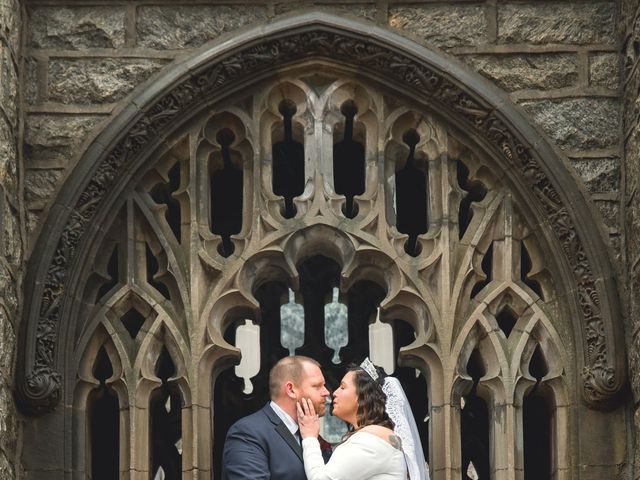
(364,456)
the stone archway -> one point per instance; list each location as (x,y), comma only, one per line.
(149,123)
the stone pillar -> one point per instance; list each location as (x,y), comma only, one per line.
(630,32)
(11,229)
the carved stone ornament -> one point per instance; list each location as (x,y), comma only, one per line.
(463,98)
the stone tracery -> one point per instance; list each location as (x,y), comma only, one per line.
(432,292)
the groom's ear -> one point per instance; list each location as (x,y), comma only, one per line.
(290,390)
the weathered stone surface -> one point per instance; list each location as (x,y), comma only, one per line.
(8,159)
(10,241)
(30,83)
(7,348)
(8,85)
(610,212)
(367,11)
(599,174)
(578,123)
(106,80)
(8,290)
(8,422)
(574,23)
(10,22)
(604,70)
(171,27)
(54,140)
(7,469)
(535,72)
(443,26)
(76,28)
(32,220)
(39,185)
(634,343)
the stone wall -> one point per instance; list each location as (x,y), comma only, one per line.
(11,228)
(630,30)
(557,59)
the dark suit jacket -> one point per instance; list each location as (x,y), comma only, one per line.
(260,447)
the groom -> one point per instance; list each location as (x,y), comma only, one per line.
(266,444)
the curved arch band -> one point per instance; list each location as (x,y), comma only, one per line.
(462,96)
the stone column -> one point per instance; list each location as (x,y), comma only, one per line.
(630,32)
(11,229)
(11,237)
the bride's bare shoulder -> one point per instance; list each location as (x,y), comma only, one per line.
(384,433)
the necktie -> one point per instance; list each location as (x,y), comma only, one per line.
(298,437)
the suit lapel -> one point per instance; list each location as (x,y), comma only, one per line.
(283,431)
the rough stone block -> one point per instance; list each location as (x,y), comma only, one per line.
(8,290)
(174,27)
(7,469)
(32,221)
(10,22)
(39,185)
(8,159)
(104,80)
(610,212)
(534,72)
(76,28)
(53,140)
(548,22)
(8,423)
(604,70)
(600,175)
(31,80)
(367,11)
(8,85)
(442,26)
(10,241)
(577,123)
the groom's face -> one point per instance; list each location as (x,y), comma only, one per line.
(312,387)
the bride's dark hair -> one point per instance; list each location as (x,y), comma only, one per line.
(371,399)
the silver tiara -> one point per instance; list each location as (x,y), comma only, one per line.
(370,368)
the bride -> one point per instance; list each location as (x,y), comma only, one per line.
(371,450)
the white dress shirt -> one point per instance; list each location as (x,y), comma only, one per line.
(290,423)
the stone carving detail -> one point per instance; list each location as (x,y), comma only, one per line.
(41,383)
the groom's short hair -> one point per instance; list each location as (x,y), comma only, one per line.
(285,369)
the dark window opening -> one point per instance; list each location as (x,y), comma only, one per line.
(226,196)
(133,321)
(163,194)
(525,268)
(103,413)
(487,269)
(413,384)
(349,162)
(475,192)
(475,425)
(506,320)
(411,197)
(165,430)
(536,420)
(230,403)
(288,162)
(318,276)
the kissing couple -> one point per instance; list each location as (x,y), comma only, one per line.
(281,441)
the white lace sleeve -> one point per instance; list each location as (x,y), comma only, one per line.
(399,411)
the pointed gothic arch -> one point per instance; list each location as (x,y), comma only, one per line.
(451,101)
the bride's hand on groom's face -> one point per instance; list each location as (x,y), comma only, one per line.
(308,420)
